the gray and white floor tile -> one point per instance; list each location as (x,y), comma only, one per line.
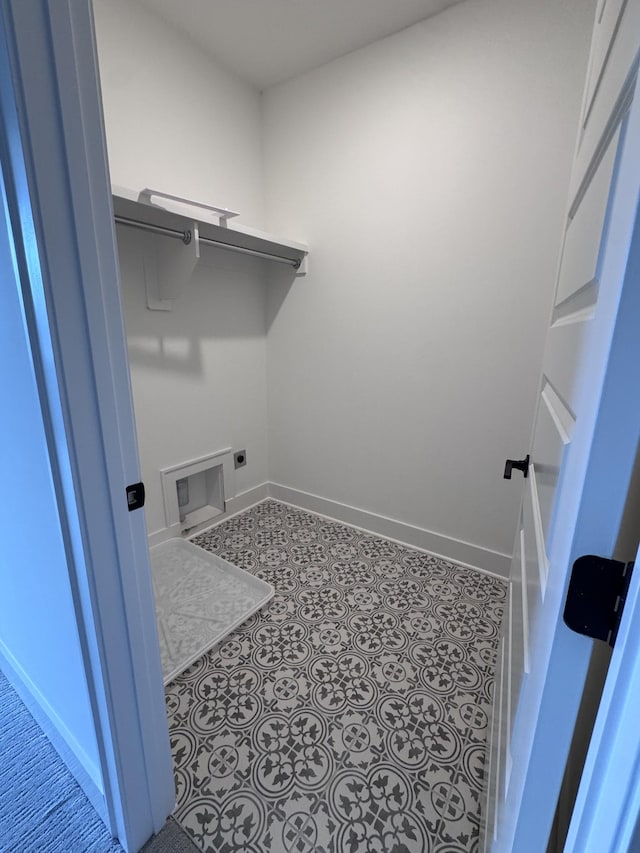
(351,713)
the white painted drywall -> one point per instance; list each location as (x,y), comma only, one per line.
(177,122)
(198,372)
(429,174)
(39,643)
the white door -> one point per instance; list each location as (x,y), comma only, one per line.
(582,449)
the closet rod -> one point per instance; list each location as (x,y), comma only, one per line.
(241,249)
(185,236)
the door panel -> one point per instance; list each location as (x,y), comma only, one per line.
(499,758)
(535,562)
(612,96)
(490,809)
(559,411)
(517,644)
(608,19)
(533,516)
(548,450)
(544,665)
(582,242)
(565,350)
(505,704)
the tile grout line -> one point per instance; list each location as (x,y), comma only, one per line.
(450,704)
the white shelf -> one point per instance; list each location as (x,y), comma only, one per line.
(179,216)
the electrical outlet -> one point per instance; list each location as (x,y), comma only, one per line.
(240,458)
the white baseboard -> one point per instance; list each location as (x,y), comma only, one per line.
(232,507)
(455,550)
(245,500)
(72,754)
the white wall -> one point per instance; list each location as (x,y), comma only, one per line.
(39,643)
(429,173)
(198,373)
(177,122)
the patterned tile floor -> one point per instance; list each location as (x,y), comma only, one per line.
(351,713)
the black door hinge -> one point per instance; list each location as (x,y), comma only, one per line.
(135,496)
(595,600)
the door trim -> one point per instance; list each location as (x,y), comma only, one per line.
(59,201)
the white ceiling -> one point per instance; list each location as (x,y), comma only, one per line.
(267,41)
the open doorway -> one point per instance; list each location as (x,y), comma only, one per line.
(315,391)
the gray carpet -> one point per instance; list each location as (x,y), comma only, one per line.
(42,807)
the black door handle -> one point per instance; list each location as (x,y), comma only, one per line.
(522,465)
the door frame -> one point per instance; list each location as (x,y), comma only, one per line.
(86,395)
(59,199)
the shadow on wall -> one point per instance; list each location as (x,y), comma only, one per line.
(280,280)
(227,296)
(179,355)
